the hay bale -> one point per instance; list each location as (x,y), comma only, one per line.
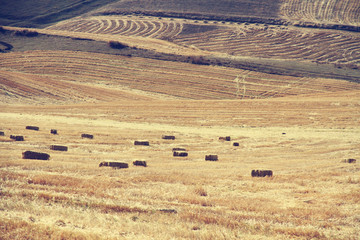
(17,138)
(211,158)
(114,164)
(235,144)
(32,128)
(179,149)
(167,137)
(350,160)
(140,163)
(261,173)
(168,210)
(143,143)
(58,148)
(84,135)
(35,155)
(227,138)
(180,154)
(53,131)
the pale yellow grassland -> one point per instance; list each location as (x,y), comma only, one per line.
(312,195)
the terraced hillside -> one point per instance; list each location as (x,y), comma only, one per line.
(318,46)
(253,40)
(319,11)
(64,76)
(123,26)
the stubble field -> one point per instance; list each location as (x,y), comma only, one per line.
(303,128)
(313,193)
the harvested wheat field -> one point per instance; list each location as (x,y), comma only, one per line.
(305,140)
(65,76)
(196,125)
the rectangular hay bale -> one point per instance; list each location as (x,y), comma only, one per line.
(180,154)
(114,164)
(35,155)
(167,137)
(90,136)
(143,143)
(211,158)
(58,148)
(32,128)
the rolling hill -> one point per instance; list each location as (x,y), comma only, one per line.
(263,85)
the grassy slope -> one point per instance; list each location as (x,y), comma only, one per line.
(43,12)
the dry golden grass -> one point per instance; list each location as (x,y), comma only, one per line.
(65,77)
(312,195)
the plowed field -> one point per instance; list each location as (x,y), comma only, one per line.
(263,41)
(320,11)
(63,76)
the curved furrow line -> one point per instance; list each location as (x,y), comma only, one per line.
(131,26)
(136,28)
(96,24)
(81,27)
(120,24)
(163,28)
(102,26)
(167,31)
(108,26)
(352,54)
(111,25)
(179,29)
(157,29)
(329,10)
(339,8)
(149,27)
(176,29)
(140,31)
(123,26)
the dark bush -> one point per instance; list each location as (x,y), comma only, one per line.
(117,45)
(26,33)
(198,60)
